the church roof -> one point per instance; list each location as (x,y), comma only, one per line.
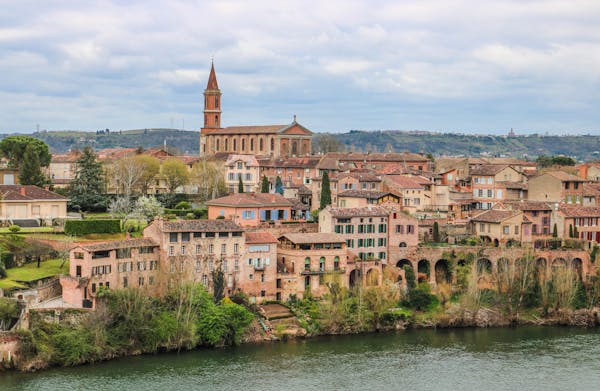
(258,129)
(212,79)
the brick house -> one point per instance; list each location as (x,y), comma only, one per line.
(502,227)
(258,274)
(245,167)
(583,219)
(556,186)
(490,183)
(251,209)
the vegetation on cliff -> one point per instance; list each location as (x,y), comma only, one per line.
(131,322)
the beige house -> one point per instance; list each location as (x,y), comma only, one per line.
(556,186)
(28,202)
(245,167)
(502,226)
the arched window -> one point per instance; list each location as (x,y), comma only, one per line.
(243,144)
(218,145)
(402,244)
(252,145)
(294,148)
(216,102)
(234,145)
(307,264)
(216,120)
(226,145)
(322,264)
(260,144)
(272,145)
(336,263)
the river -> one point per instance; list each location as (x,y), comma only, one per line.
(515,359)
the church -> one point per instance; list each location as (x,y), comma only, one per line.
(275,141)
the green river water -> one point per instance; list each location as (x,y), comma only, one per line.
(524,358)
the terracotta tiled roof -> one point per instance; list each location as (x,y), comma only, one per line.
(495,216)
(260,129)
(361,176)
(361,194)
(377,157)
(70,157)
(27,193)
(564,176)
(405,182)
(487,169)
(308,238)
(201,226)
(366,211)
(292,162)
(579,211)
(250,200)
(118,244)
(591,189)
(297,204)
(528,205)
(260,237)
(303,190)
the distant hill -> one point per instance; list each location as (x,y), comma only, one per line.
(581,147)
(186,141)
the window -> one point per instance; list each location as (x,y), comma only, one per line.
(399,229)
(236,248)
(307,264)
(211,248)
(516,229)
(198,249)
(153,265)
(173,237)
(322,264)
(141,281)
(141,266)
(125,282)
(236,265)
(505,230)
(185,236)
(410,229)
(204,279)
(482,227)
(182,250)
(490,193)
(239,165)
(225,266)
(489,180)
(151,280)
(262,278)
(260,144)
(223,248)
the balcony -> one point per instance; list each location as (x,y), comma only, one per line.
(316,272)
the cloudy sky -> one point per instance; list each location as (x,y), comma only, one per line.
(453,65)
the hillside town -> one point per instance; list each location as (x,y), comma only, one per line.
(280,218)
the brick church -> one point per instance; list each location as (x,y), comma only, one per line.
(276,141)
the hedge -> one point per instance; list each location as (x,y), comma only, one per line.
(92,226)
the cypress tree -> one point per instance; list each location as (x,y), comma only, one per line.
(325,191)
(240,184)
(436,232)
(570,230)
(264,188)
(575,233)
(555,231)
(278,186)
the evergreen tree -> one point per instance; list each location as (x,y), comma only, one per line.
(30,170)
(240,184)
(436,232)
(278,186)
(325,191)
(87,190)
(575,233)
(264,187)
(555,231)
(570,230)
(218,278)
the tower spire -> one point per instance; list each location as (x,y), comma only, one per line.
(212,100)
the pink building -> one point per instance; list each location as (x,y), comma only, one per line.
(250,209)
(258,275)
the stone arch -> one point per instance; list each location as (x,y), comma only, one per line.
(496,243)
(372,277)
(541,265)
(577,266)
(443,274)
(404,262)
(558,263)
(402,244)
(484,266)
(354,277)
(423,270)
(503,265)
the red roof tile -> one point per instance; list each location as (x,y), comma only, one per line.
(260,237)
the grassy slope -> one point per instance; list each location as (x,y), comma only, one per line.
(30,272)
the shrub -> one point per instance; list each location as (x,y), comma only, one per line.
(183,205)
(86,227)
(14,228)
(420,298)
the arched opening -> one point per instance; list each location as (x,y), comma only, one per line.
(307,264)
(218,144)
(217,121)
(496,243)
(322,264)
(243,144)
(354,277)
(442,272)
(336,263)
(294,148)
(234,145)
(577,265)
(251,145)
(272,144)
(423,270)
(484,267)
(559,263)
(372,277)
(541,265)
(404,262)
(402,244)
(503,265)
(226,145)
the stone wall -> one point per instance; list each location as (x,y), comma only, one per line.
(279,229)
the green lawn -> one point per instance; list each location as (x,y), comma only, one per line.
(30,272)
(5,230)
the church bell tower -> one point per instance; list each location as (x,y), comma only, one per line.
(212,101)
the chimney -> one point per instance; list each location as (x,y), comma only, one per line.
(22,190)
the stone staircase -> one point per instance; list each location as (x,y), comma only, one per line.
(281,322)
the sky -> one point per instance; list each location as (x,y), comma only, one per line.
(447,66)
